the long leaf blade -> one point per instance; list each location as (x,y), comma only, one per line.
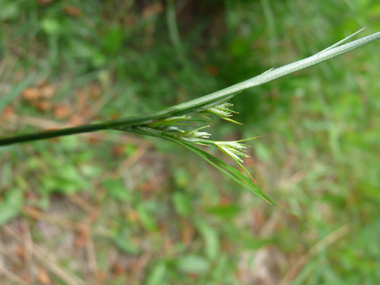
(217,163)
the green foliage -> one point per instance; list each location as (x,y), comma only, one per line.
(117,190)
(164,124)
(11,205)
(192,264)
(123,241)
(316,155)
(10,11)
(15,91)
(157,276)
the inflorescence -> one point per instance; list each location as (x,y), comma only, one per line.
(171,126)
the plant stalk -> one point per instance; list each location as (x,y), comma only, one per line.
(197,104)
(49,134)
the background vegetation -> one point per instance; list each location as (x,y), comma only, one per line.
(109,208)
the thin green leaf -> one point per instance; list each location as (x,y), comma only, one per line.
(203,102)
(10,207)
(272,74)
(229,170)
(222,166)
(232,121)
(239,163)
(15,91)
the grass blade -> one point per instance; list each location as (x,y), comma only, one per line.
(228,170)
(217,163)
(4,101)
(275,73)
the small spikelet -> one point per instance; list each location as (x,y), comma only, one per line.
(170,127)
(235,150)
(221,110)
(196,134)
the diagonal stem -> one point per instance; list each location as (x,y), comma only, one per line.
(51,134)
(127,122)
(193,105)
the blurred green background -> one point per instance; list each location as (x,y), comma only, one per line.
(111,208)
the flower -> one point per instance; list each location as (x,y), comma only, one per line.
(234,149)
(221,110)
(195,136)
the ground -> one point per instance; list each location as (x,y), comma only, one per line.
(116,208)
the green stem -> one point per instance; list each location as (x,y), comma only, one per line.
(51,134)
(126,122)
(196,104)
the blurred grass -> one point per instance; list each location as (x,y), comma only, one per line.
(153,213)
